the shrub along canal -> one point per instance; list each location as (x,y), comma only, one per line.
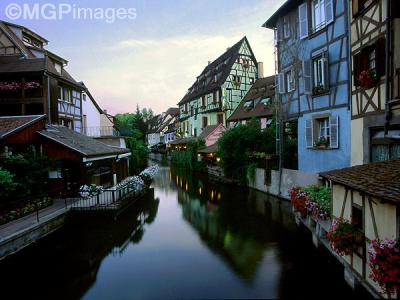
(191,239)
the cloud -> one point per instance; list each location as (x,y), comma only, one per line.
(156,72)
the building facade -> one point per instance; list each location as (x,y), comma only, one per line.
(34,81)
(312,66)
(218,90)
(375,53)
(161,128)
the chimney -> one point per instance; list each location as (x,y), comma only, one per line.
(260,70)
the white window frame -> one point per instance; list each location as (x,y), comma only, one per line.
(319,72)
(322,14)
(290,80)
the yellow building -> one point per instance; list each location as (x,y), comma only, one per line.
(369,197)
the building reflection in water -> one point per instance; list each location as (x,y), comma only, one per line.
(75,253)
(241,237)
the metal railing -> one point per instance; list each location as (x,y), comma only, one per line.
(110,199)
(104,131)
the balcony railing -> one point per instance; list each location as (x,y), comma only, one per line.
(107,131)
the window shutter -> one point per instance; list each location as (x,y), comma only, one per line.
(329,12)
(356,68)
(325,57)
(303,21)
(309,133)
(307,76)
(334,126)
(380,53)
(280,31)
(355,6)
(281,83)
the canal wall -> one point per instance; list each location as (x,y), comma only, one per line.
(318,231)
(25,237)
(280,182)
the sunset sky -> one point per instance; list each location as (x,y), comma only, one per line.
(153,60)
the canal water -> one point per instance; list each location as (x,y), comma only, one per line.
(190,239)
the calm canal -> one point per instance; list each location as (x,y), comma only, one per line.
(191,239)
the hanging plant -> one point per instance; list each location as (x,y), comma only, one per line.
(384,257)
(15,86)
(341,236)
(368,79)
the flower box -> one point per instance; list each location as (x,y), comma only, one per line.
(368,79)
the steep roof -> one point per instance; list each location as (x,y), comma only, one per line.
(80,143)
(221,68)
(208,130)
(262,88)
(379,180)
(283,10)
(15,39)
(12,125)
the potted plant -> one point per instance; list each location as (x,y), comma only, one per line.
(368,78)
(322,143)
(384,257)
(341,237)
(319,89)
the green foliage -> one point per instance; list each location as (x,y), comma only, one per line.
(7,185)
(321,195)
(251,171)
(30,170)
(139,156)
(237,144)
(188,158)
(133,124)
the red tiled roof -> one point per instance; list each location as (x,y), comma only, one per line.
(10,125)
(380,180)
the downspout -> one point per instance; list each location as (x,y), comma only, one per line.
(349,60)
(48,89)
(387,65)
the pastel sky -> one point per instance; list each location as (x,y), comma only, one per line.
(154,59)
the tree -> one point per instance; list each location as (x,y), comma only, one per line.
(237,144)
(7,184)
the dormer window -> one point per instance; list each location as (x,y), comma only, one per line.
(249,105)
(58,67)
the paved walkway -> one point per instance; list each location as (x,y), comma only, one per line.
(10,229)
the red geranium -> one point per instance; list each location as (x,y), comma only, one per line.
(298,198)
(384,257)
(341,237)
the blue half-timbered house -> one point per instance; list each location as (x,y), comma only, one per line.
(312,63)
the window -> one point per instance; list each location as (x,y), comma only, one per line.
(220,119)
(67,123)
(367,68)
(58,67)
(322,132)
(320,74)
(303,20)
(205,122)
(384,148)
(286,27)
(266,101)
(321,13)
(251,80)
(203,101)
(360,5)
(249,104)
(290,82)
(60,93)
(216,96)
(236,80)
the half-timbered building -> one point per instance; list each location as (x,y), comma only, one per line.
(34,80)
(375,92)
(218,90)
(312,66)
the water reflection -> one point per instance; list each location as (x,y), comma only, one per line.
(65,265)
(192,239)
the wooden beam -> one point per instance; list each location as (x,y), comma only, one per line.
(373,217)
(344,203)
